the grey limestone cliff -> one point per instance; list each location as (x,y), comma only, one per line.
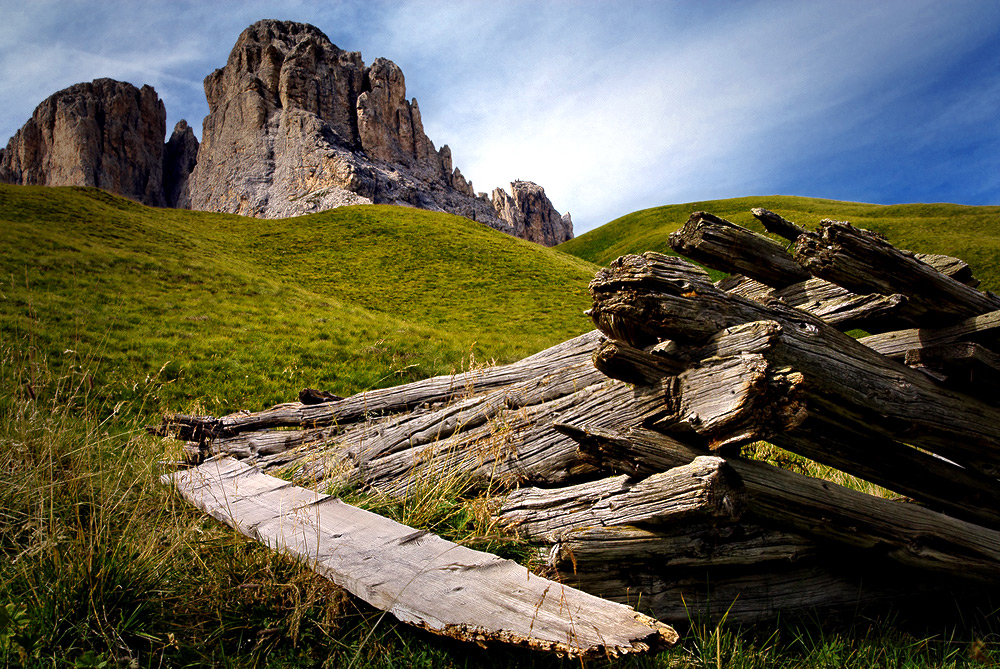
(104,133)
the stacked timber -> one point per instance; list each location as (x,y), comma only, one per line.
(625,455)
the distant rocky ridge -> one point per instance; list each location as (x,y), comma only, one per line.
(295,125)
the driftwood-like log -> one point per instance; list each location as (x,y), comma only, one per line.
(644,299)
(387,400)
(956,268)
(417,576)
(835,582)
(863,262)
(721,245)
(984,329)
(778,225)
(940,484)
(965,366)
(906,533)
(704,489)
(834,304)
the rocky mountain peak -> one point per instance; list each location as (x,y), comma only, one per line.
(103,133)
(295,125)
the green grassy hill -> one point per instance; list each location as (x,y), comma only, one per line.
(244,312)
(966,232)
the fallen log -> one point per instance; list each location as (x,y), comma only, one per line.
(905,533)
(834,304)
(863,262)
(965,366)
(417,576)
(386,400)
(645,299)
(704,489)
(721,245)
(984,329)
(778,225)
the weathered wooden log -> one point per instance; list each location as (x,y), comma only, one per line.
(863,262)
(905,533)
(721,245)
(417,576)
(956,268)
(704,489)
(686,544)
(515,446)
(375,402)
(940,484)
(834,304)
(778,225)
(644,299)
(965,366)
(984,329)
(837,582)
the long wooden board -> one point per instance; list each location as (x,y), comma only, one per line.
(417,576)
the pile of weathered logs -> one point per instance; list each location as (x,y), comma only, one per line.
(621,454)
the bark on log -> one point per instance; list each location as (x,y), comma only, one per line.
(643,299)
(864,262)
(721,245)
(420,578)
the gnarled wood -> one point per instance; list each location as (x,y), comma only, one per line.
(984,329)
(864,262)
(778,225)
(417,576)
(721,245)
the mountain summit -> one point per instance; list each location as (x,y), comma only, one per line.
(295,125)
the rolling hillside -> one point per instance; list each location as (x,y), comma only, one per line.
(241,312)
(969,233)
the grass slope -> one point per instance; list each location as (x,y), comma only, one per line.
(244,312)
(966,232)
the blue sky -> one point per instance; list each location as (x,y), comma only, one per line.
(612,107)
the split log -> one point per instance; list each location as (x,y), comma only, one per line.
(863,262)
(721,245)
(965,366)
(645,299)
(905,533)
(386,400)
(419,577)
(704,489)
(956,268)
(984,329)
(778,225)
(932,480)
(515,446)
(744,594)
(834,304)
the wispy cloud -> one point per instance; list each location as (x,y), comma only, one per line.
(611,107)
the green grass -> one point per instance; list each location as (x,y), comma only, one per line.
(111,313)
(969,233)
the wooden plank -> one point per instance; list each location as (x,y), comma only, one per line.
(965,366)
(417,576)
(725,246)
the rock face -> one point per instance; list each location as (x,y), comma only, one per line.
(105,133)
(297,125)
(532,215)
(179,158)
